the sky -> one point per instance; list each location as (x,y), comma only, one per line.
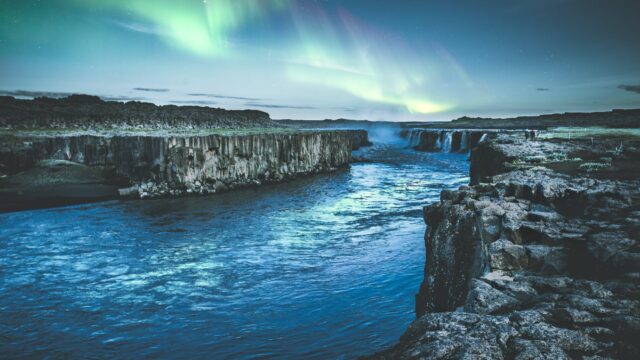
(400,60)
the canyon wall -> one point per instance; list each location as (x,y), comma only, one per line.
(174,165)
(539,259)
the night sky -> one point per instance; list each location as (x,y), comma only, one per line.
(373,59)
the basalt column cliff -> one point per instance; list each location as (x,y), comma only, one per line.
(189,150)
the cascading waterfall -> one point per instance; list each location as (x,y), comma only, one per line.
(464,141)
(414,138)
(445,140)
(446,147)
(438,144)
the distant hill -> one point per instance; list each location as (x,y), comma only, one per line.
(611,119)
(90,112)
(333,123)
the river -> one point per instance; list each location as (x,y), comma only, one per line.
(322,267)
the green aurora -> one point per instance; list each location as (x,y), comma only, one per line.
(308,58)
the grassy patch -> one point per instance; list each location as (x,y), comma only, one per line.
(150,132)
(589,132)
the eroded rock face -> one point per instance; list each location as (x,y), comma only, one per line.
(535,264)
(173,165)
(453,233)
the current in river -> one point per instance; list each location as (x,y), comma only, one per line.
(324,267)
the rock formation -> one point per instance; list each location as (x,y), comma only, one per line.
(539,258)
(174,165)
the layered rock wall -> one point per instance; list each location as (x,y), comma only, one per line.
(160,165)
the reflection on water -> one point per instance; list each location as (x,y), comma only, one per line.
(322,267)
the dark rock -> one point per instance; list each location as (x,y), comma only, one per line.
(547,259)
(485,299)
(505,255)
(453,336)
(453,233)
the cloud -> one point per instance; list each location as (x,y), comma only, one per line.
(226,97)
(122,98)
(193,102)
(59,95)
(141,28)
(630,88)
(34,94)
(347,109)
(543,89)
(150,89)
(275,106)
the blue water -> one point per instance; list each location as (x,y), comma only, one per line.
(323,267)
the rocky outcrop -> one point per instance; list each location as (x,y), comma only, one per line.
(539,259)
(173,165)
(359,138)
(90,112)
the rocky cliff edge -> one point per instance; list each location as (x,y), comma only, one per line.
(539,259)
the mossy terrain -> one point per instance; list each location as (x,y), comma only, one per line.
(598,153)
(108,132)
(591,132)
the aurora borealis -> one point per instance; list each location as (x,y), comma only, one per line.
(392,60)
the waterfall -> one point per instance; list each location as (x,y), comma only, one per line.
(414,138)
(446,147)
(439,140)
(464,141)
(442,140)
(411,136)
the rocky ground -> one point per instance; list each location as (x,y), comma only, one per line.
(539,258)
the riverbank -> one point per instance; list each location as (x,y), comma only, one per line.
(45,168)
(538,258)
